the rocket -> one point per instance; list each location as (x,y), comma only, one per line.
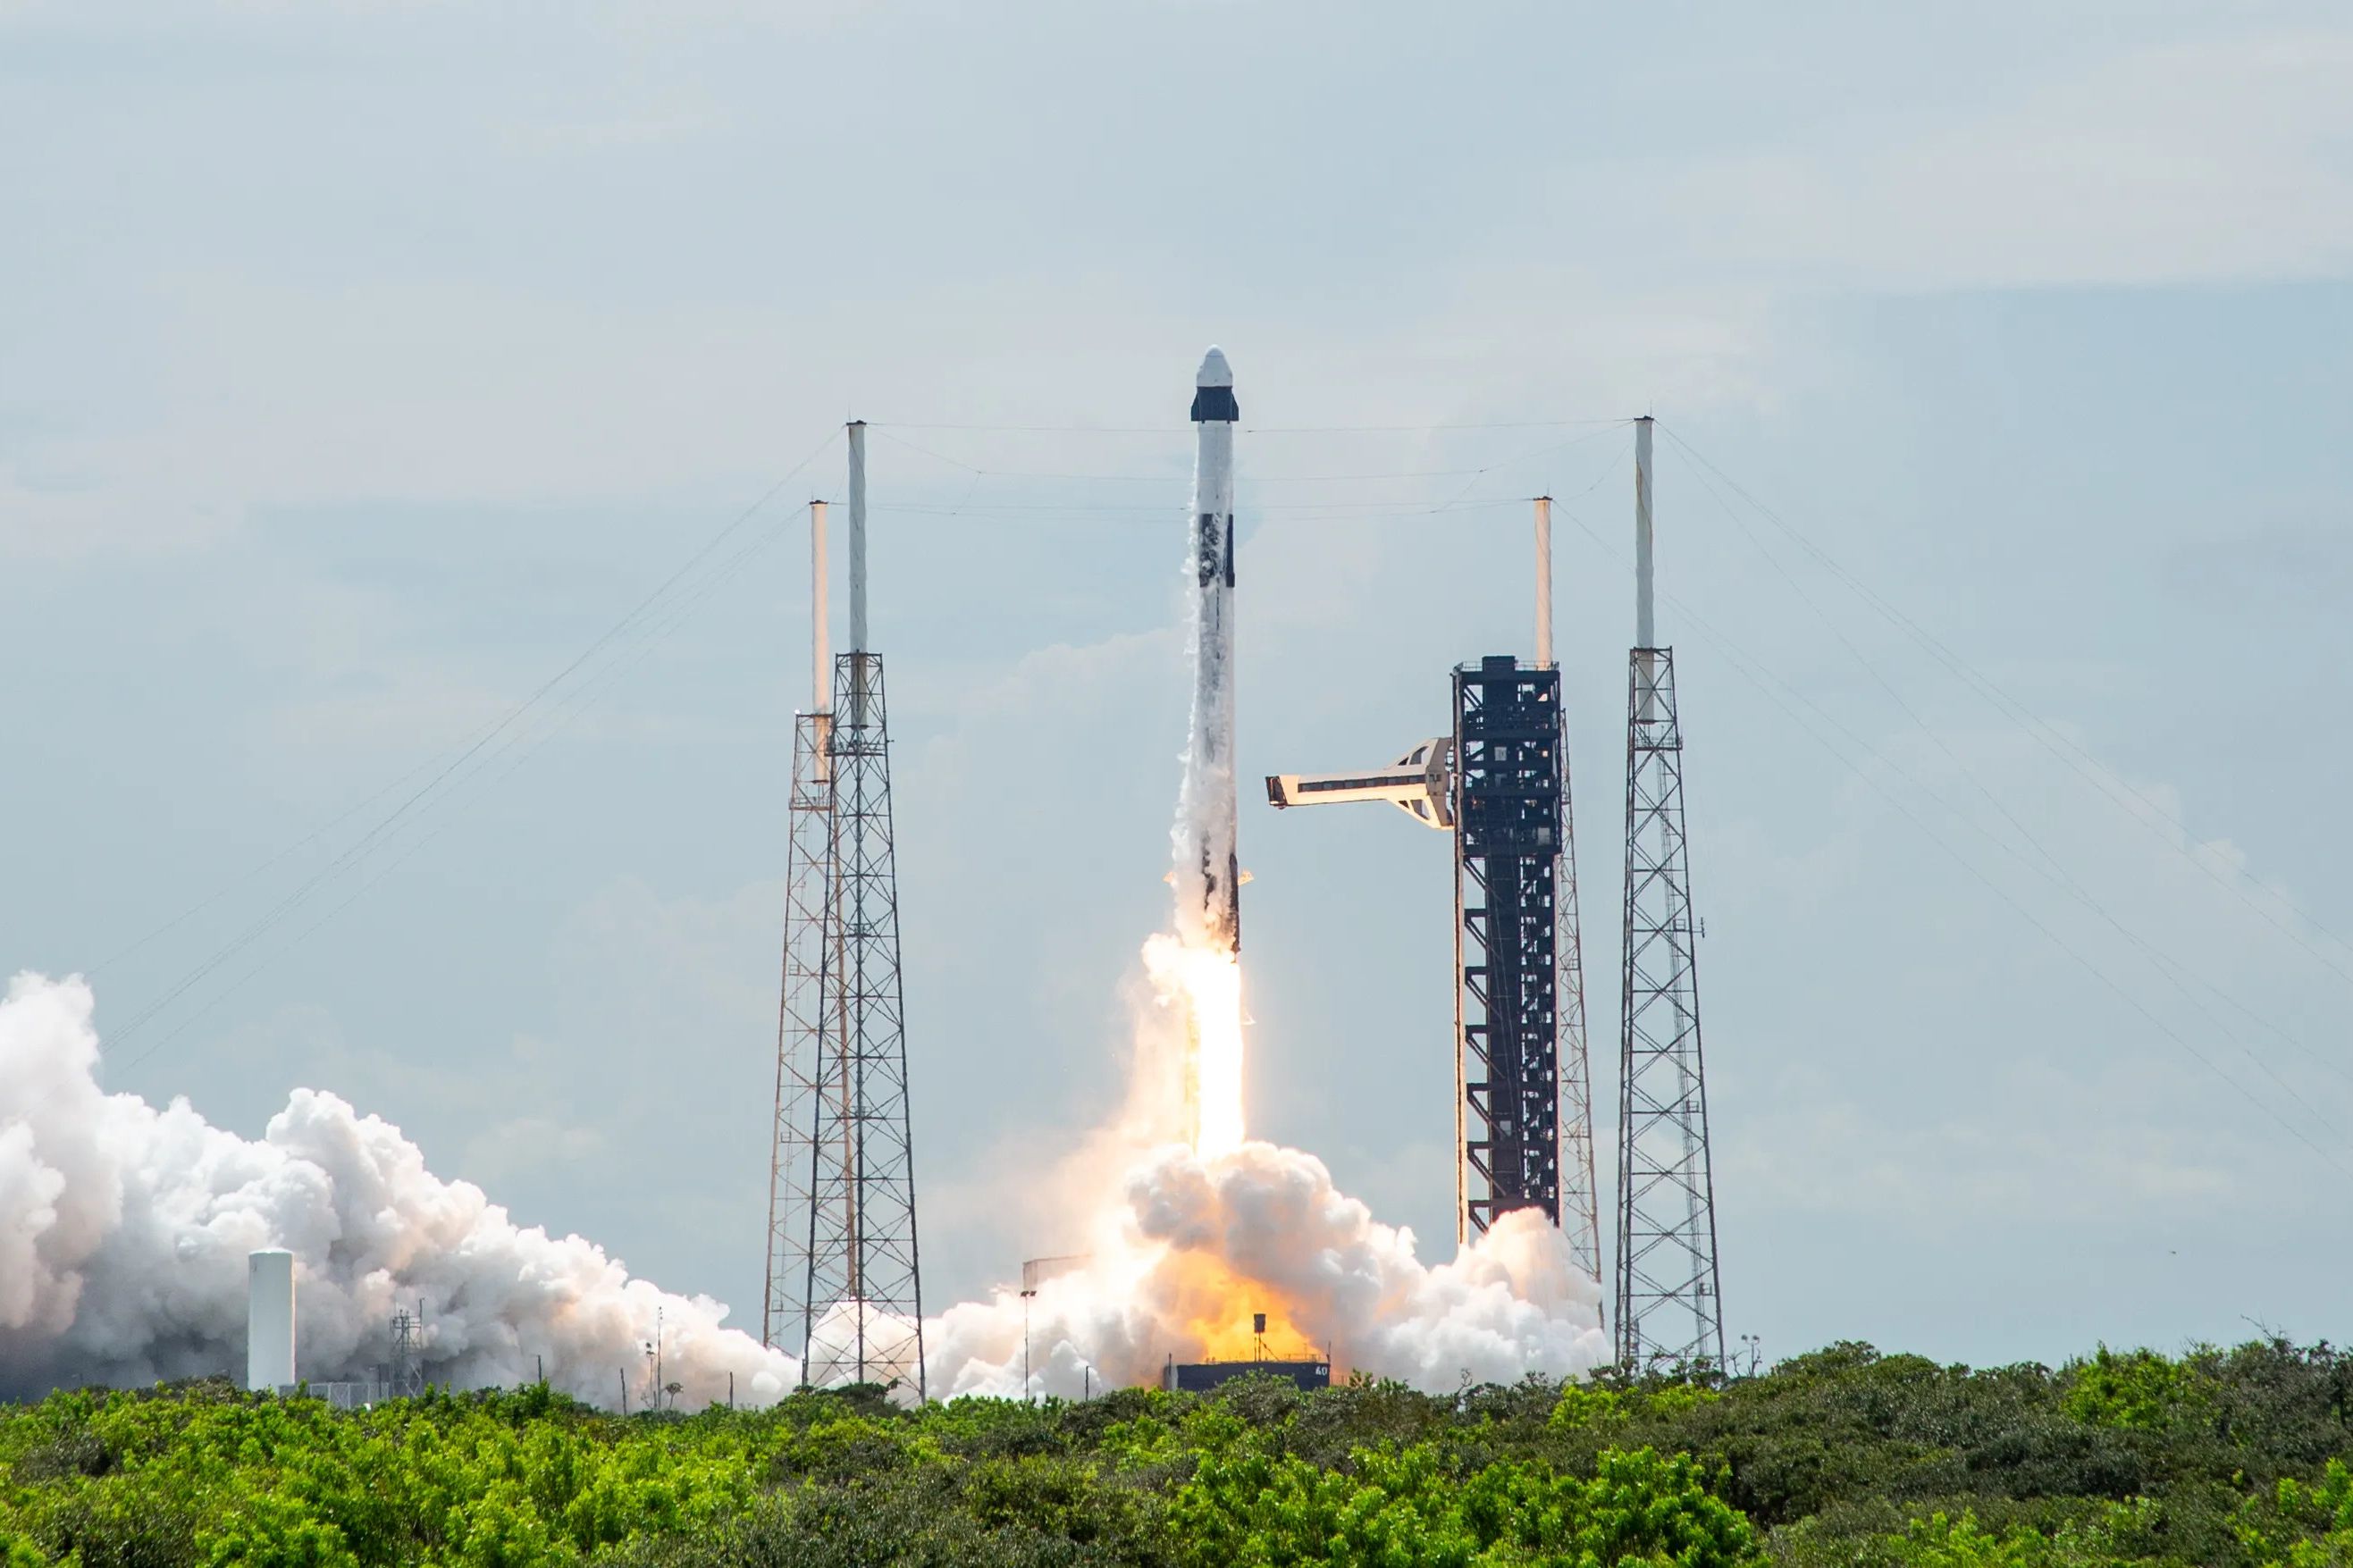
(1207,871)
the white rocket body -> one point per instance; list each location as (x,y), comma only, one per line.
(1209,866)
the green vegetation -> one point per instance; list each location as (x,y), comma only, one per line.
(2216,1459)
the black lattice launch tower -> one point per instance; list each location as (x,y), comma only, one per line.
(1523,1103)
(1499,783)
(1507,830)
(843,1267)
(1669,1307)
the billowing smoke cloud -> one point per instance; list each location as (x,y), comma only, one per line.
(124,1231)
(1182,1250)
(1195,1248)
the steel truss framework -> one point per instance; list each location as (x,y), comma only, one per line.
(801,1032)
(851,1187)
(1523,1106)
(1580,1203)
(1669,1305)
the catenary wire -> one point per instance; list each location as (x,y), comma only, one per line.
(527,746)
(2050,736)
(1179,428)
(1393,506)
(1764,680)
(2050,869)
(389,822)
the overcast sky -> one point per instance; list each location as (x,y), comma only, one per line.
(361,366)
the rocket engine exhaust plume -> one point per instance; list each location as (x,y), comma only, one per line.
(1194,1247)
(124,1231)
(1202,972)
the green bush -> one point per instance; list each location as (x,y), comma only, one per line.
(2216,1458)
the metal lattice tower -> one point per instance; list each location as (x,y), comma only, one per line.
(801,1032)
(1580,1217)
(1580,1202)
(408,1375)
(1670,1309)
(863,1301)
(843,1281)
(1507,801)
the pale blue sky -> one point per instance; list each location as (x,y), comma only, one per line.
(360,364)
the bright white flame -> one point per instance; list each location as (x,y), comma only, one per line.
(1206,983)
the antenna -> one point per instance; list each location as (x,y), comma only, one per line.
(820,644)
(802,1010)
(858,643)
(1645,634)
(1544,583)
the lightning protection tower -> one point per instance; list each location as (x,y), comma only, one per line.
(803,1014)
(1580,1217)
(1669,1306)
(860,1303)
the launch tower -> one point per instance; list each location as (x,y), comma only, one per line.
(1500,781)
(1669,1309)
(1507,834)
(803,1016)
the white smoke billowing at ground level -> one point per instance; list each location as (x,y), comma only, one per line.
(1191,1250)
(1181,1249)
(124,1231)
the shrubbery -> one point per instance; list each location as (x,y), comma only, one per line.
(2219,1459)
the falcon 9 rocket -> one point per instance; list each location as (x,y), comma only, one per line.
(1207,871)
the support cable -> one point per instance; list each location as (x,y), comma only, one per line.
(1173,431)
(2047,734)
(1756,674)
(518,752)
(425,798)
(2051,869)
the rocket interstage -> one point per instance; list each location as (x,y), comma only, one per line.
(1209,868)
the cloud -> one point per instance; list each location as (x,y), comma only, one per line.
(109,513)
(2212,162)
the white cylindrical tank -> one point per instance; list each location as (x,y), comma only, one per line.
(269,1318)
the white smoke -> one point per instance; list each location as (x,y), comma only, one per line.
(124,1231)
(1191,1250)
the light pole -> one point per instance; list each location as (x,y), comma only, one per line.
(1025,1297)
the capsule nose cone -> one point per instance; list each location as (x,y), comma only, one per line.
(1214,370)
